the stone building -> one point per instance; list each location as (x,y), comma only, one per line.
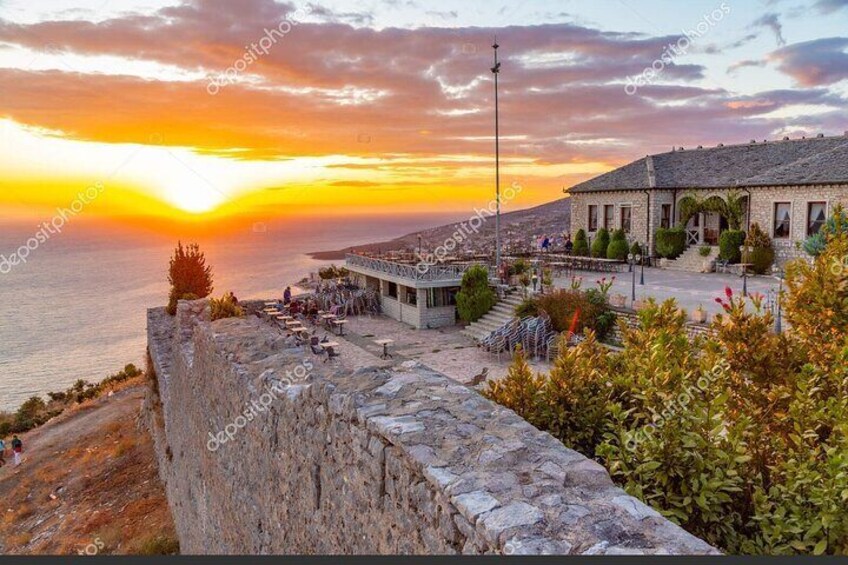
(421,295)
(788,187)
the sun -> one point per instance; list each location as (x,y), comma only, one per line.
(195,199)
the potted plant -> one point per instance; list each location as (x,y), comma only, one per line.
(525,281)
(707,265)
(699,316)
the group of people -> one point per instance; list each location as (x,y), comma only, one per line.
(307,307)
(17,449)
(546,243)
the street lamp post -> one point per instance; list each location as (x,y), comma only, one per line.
(745,252)
(778,321)
(496,71)
(632,259)
(642,277)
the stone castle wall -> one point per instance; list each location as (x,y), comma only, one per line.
(371,461)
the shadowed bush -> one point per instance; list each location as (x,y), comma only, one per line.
(475,298)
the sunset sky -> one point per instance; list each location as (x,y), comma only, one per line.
(386,106)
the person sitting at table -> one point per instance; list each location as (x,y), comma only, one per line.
(294,308)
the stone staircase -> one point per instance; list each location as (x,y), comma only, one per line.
(692,262)
(498,316)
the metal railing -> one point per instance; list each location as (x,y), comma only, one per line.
(419,272)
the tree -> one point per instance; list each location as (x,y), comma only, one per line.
(762,256)
(601,243)
(189,275)
(475,298)
(618,247)
(581,244)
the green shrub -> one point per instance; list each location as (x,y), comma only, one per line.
(475,298)
(600,244)
(729,245)
(762,255)
(636,249)
(581,244)
(618,247)
(528,307)
(671,242)
(588,309)
(519,267)
(225,307)
(188,274)
(158,545)
(705,251)
(836,225)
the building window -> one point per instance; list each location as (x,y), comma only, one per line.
(816,217)
(665,216)
(609,216)
(593,218)
(411,296)
(393,290)
(625,218)
(782,219)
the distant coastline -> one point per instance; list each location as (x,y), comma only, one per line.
(544,219)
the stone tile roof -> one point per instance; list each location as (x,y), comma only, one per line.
(790,162)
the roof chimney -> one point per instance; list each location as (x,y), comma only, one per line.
(652,176)
(721,144)
(700,147)
(820,136)
(753,141)
(786,137)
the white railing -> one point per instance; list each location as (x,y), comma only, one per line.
(419,272)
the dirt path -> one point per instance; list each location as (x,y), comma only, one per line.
(88,484)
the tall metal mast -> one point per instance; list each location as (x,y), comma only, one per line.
(496,70)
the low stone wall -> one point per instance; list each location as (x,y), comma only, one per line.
(631,320)
(372,461)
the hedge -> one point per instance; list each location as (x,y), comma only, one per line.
(671,242)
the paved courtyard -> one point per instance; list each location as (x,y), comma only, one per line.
(457,356)
(689,289)
(444,350)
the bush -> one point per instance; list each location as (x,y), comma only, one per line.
(519,267)
(729,245)
(225,307)
(618,247)
(332,272)
(475,298)
(528,307)
(188,275)
(741,436)
(581,244)
(762,256)
(576,310)
(705,251)
(671,242)
(600,244)
(636,249)
(836,225)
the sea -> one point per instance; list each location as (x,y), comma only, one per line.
(76,309)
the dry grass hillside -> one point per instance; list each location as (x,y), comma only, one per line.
(88,484)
